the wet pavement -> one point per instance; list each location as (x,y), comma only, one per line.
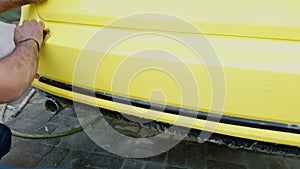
(79,151)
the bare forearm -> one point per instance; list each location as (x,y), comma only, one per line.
(17,71)
(6,5)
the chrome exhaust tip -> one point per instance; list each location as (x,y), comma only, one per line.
(53,106)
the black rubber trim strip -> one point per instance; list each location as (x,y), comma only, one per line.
(176,111)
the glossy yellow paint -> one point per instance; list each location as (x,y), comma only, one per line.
(255,18)
(259,56)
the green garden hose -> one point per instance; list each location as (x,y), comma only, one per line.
(44,136)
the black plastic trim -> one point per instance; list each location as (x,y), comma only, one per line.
(176,111)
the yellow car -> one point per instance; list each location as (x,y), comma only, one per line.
(228,67)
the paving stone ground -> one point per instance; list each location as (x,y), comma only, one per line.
(78,151)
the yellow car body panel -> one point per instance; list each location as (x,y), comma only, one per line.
(258,44)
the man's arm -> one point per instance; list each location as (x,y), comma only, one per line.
(6,5)
(18,69)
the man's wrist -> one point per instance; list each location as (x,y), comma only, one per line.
(37,44)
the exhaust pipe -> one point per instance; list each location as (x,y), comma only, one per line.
(54,106)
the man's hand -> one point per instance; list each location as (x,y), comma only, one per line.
(29,29)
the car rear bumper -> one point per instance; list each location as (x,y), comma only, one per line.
(225,125)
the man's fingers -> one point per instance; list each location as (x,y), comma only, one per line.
(29,22)
(33,21)
(25,22)
(42,24)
